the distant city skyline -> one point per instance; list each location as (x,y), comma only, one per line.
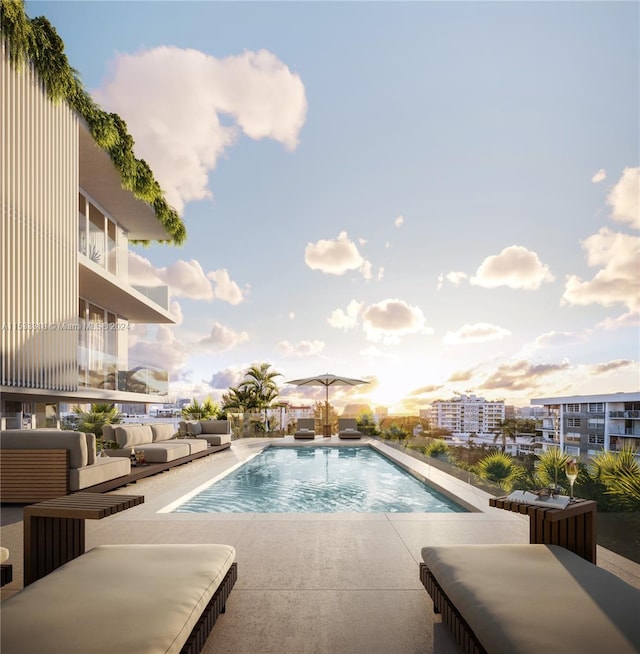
(437,197)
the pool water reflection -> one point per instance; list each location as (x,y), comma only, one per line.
(319,479)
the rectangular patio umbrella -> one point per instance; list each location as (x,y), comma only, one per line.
(327,380)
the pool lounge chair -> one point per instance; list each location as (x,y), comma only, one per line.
(348,428)
(527,599)
(306,428)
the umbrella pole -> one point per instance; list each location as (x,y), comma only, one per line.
(326,431)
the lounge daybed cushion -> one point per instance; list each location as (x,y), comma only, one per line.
(529,599)
(126,599)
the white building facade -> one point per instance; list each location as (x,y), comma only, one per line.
(583,425)
(467,414)
(66,303)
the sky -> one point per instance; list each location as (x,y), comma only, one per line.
(435,197)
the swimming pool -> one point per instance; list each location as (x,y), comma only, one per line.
(319,479)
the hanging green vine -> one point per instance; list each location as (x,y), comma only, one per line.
(36,41)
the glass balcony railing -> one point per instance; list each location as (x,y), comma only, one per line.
(628,415)
(157,294)
(101,370)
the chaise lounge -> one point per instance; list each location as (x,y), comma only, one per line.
(305,428)
(348,428)
(528,599)
(129,599)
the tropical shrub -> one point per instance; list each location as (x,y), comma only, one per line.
(500,468)
(620,474)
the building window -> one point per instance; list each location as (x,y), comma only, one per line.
(573,408)
(572,437)
(596,439)
(573,422)
(596,423)
(596,407)
(574,451)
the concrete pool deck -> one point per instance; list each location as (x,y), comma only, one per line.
(317,583)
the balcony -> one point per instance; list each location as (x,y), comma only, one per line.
(136,304)
(626,415)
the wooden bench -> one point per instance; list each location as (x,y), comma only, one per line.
(129,599)
(529,599)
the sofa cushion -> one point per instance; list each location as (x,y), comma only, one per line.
(214,439)
(527,599)
(104,469)
(117,598)
(215,426)
(132,435)
(164,451)
(196,444)
(163,432)
(194,427)
(48,439)
(91,448)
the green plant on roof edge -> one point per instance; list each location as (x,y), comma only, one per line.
(36,41)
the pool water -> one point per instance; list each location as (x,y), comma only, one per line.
(325,479)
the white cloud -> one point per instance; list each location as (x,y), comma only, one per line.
(301,349)
(390,319)
(557,339)
(336,256)
(186,279)
(629,319)
(172,100)
(380,273)
(625,198)
(599,176)
(165,352)
(141,271)
(222,338)
(224,288)
(176,311)
(480,332)
(515,267)
(347,319)
(455,278)
(399,221)
(617,281)
(291,315)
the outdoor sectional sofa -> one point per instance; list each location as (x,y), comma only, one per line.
(40,464)
(528,599)
(129,599)
(157,441)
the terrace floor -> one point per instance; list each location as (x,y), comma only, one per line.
(311,583)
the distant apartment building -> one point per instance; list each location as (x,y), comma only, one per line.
(66,304)
(467,414)
(583,425)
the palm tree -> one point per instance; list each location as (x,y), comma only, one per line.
(260,382)
(511,428)
(208,410)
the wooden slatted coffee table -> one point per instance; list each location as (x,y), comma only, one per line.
(54,530)
(573,528)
